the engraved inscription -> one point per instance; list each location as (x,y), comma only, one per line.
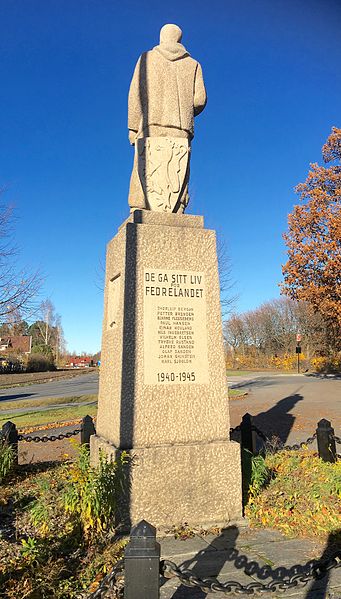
(175,335)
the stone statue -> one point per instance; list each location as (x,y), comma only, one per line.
(166,92)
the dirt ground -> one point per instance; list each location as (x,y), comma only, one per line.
(46,452)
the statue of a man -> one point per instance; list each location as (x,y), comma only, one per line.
(167,91)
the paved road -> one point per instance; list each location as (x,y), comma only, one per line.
(85,384)
(288,406)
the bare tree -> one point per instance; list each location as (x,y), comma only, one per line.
(227,284)
(18,287)
(271,329)
(46,321)
(60,345)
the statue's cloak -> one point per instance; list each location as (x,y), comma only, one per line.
(167,91)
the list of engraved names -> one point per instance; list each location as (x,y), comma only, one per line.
(175,335)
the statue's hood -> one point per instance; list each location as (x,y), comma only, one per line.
(171,50)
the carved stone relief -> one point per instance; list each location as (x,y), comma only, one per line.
(162,168)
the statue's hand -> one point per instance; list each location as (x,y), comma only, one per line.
(132,136)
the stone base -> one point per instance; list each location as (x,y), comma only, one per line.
(197,483)
(163,391)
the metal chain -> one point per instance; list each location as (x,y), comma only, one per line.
(296,576)
(112,581)
(294,447)
(312,570)
(260,433)
(235,429)
(337,439)
(44,439)
(297,446)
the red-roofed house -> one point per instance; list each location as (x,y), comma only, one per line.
(20,343)
(80,362)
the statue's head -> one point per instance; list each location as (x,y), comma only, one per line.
(170,34)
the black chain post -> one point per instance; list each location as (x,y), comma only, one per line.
(142,563)
(10,434)
(87,429)
(248,434)
(325,441)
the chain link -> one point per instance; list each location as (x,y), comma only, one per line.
(114,581)
(311,570)
(337,439)
(298,446)
(283,578)
(45,439)
(294,447)
(260,433)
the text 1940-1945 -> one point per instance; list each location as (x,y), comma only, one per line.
(175,335)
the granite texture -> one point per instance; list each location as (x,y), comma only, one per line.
(170,484)
(132,414)
(148,217)
(189,423)
(166,92)
(163,169)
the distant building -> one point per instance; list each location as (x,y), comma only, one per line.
(18,343)
(80,362)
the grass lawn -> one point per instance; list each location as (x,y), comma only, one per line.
(262,371)
(237,393)
(55,414)
(238,372)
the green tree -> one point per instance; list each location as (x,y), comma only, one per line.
(47,332)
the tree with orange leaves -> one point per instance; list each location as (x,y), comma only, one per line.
(313,270)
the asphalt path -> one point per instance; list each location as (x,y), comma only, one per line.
(287,406)
(84,384)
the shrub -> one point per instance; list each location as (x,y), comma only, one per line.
(285,362)
(308,509)
(327,364)
(40,363)
(11,365)
(48,556)
(6,460)
(84,497)
(256,474)
(90,494)
(43,509)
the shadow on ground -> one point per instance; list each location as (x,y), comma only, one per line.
(209,562)
(15,396)
(277,421)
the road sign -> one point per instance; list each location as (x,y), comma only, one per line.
(298,337)
(298,349)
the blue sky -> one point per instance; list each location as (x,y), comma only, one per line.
(273,77)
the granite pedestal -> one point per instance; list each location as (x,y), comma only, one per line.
(163,389)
